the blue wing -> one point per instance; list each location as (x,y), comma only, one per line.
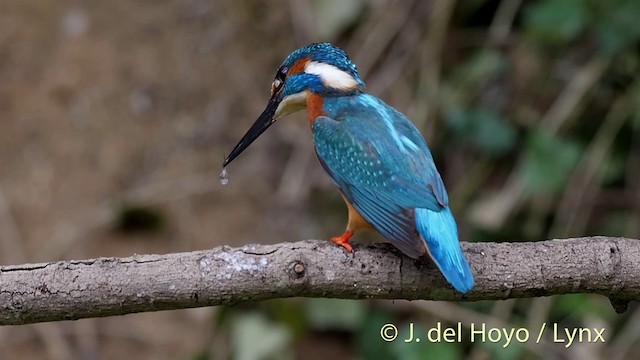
(381,163)
(383,166)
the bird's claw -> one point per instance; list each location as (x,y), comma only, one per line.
(343,240)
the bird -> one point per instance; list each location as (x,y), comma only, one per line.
(374,154)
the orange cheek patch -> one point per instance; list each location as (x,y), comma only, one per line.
(298,67)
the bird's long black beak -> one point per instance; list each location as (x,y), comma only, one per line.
(264,121)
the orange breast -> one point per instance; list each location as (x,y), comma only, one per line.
(356,221)
(315,104)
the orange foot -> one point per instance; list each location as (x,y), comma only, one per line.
(343,240)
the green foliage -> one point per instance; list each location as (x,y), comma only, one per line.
(498,351)
(424,350)
(480,126)
(616,24)
(369,344)
(467,79)
(484,128)
(548,162)
(556,22)
(335,313)
(577,305)
(614,168)
(256,338)
(292,314)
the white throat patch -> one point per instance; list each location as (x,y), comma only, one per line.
(291,104)
(331,76)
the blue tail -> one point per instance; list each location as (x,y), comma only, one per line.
(439,230)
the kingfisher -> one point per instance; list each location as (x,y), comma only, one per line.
(374,154)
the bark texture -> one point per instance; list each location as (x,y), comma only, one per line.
(77,289)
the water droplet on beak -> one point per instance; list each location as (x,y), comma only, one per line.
(224,177)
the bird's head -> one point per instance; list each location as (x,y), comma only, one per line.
(319,68)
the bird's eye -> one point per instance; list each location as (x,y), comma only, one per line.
(282,73)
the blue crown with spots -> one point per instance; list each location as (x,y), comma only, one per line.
(325,53)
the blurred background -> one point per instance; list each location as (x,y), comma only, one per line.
(115,117)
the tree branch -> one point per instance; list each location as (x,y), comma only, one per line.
(77,289)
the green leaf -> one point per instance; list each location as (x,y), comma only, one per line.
(484,128)
(420,347)
(499,351)
(568,304)
(289,312)
(616,24)
(256,338)
(425,350)
(548,162)
(556,21)
(335,314)
(614,167)
(573,308)
(370,344)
